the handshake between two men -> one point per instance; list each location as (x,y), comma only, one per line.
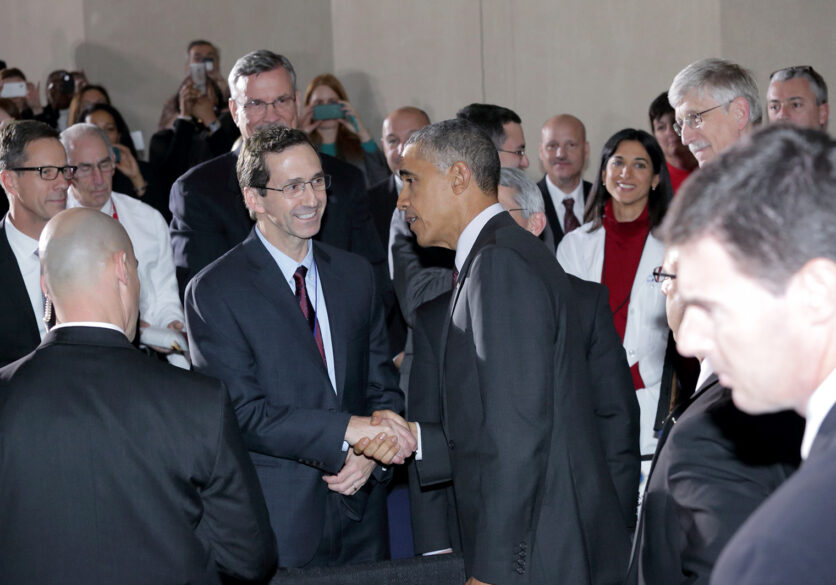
(383,438)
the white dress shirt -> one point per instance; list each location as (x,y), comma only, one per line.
(557,200)
(313,285)
(25,250)
(819,405)
(99,324)
(159,299)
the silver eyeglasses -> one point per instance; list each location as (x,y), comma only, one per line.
(294,190)
(693,120)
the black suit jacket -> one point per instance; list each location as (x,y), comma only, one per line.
(210,218)
(18,326)
(118,468)
(789,539)
(434,518)
(383,198)
(551,214)
(435,524)
(714,465)
(245,328)
(533,492)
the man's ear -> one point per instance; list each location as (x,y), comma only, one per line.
(813,290)
(9,181)
(121,262)
(739,108)
(824,111)
(537,223)
(233,110)
(253,200)
(460,177)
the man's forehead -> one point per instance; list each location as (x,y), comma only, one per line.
(695,100)
(43,148)
(299,158)
(797,86)
(276,81)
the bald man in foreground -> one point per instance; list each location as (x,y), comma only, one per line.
(117,468)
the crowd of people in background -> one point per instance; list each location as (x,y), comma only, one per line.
(548,359)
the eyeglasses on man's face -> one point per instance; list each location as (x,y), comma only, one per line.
(50,172)
(693,120)
(85,169)
(295,189)
(258,108)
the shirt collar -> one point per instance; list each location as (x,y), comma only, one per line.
(820,403)
(472,231)
(22,244)
(98,324)
(558,195)
(72,202)
(286,264)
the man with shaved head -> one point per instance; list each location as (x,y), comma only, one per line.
(563,154)
(123,469)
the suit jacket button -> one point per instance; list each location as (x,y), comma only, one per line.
(451,444)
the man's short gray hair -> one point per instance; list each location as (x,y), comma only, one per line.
(259,61)
(445,143)
(76,131)
(526,193)
(722,80)
(817,83)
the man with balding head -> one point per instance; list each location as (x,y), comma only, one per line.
(143,478)
(715,103)
(563,154)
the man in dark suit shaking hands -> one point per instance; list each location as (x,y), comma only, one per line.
(296,330)
(517,433)
(755,233)
(117,468)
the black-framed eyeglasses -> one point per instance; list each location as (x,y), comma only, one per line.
(694,119)
(294,190)
(50,172)
(660,275)
(520,153)
(259,107)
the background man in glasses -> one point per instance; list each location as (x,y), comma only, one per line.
(798,95)
(89,149)
(209,217)
(504,127)
(296,331)
(35,196)
(715,102)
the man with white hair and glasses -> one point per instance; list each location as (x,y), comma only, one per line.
(715,103)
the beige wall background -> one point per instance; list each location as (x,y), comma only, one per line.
(602,61)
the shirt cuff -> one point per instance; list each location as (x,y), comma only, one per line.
(370,146)
(419,454)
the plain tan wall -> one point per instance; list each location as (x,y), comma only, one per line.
(603,62)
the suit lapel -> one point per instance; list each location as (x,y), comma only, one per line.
(337,315)
(13,287)
(485,236)
(270,283)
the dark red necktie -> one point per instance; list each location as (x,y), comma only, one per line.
(455,277)
(570,220)
(307,309)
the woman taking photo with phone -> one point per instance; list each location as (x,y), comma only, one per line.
(335,129)
(617,248)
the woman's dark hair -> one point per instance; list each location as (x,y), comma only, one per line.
(121,126)
(658,199)
(75,105)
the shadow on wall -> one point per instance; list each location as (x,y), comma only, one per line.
(137,88)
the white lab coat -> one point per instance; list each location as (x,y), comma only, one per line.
(581,253)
